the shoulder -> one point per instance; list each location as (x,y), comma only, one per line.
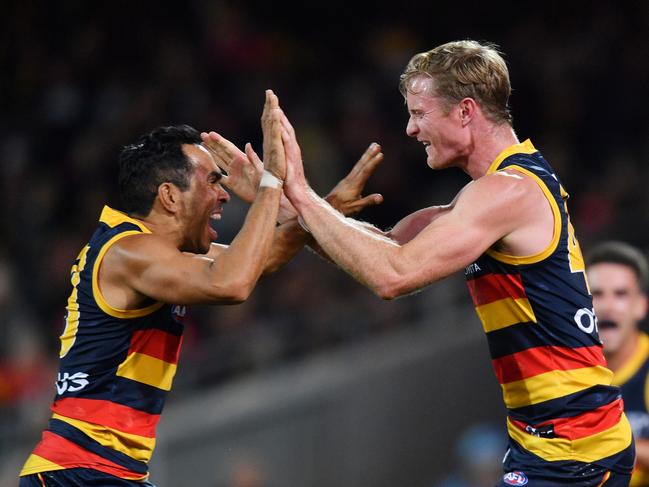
(504,189)
(135,252)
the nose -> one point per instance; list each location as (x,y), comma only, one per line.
(224,196)
(411,128)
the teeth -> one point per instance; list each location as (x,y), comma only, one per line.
(215,216)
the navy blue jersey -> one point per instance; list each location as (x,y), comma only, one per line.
(538,316)
(116,367)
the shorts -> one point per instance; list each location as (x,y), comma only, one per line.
(78,477)
(599,479)
(524,468)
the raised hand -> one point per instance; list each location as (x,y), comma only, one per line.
(274,156)
(346,196)
(243,170)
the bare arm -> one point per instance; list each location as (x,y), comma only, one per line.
(244,171)
(485,212)
(149,266)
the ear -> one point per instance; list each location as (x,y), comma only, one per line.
(169,196)
(467,110)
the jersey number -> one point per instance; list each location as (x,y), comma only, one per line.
(72,317)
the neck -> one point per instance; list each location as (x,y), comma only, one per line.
(622,355)
(488,141)
(163,224)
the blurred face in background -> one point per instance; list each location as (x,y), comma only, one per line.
(619,303)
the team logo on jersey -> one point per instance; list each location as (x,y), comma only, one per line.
(515,478)
(71,383)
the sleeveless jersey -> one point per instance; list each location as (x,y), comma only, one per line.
(633,379)
(541,329)
(116,367)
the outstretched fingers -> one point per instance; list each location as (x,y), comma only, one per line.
(367,163)
(222,150)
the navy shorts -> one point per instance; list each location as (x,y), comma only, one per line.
(598,479)
(524,468)
(78,477)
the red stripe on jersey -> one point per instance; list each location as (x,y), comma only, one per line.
(156,343)
(583,425)
(538,360)
(67,454)
(492,287)
(109,414)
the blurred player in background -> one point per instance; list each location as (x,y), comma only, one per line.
(509,230)
(124,320)
(618,275)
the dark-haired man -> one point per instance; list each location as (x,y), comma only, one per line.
(130,284)
(618,275)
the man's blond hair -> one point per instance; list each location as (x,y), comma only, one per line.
(465,69)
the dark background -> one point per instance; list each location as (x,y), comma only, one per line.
(79,80)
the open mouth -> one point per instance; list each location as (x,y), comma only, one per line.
(606,324)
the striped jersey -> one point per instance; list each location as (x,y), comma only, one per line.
(541,329)
(633,379)
(116,367)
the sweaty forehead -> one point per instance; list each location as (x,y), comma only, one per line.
(420,93)
(421,85)
(200,158)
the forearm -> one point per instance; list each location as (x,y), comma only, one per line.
(365,254)
(248,253)
(288,240)
(315,247)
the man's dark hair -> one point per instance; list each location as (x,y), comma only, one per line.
(624,254)
(155,158)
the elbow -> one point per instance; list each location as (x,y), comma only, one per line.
(240,292)
(233,292)
(389,289)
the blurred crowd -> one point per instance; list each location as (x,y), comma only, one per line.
(79,80)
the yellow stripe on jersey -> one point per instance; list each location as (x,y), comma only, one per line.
(148,370)
(99,297)
(634,363)
(525,147)
(550,385)
(112,218)
(37,463)
(505,312)
(588,449)
(69,335)
(135,446)
(556,233)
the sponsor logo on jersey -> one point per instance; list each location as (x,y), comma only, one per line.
(515,478)
(71,383)
(472,269)
(179,311)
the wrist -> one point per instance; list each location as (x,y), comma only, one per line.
(269,180)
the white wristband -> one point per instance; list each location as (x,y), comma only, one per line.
(269,180)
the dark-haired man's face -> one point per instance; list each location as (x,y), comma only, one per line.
(619,303)
(203,200)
